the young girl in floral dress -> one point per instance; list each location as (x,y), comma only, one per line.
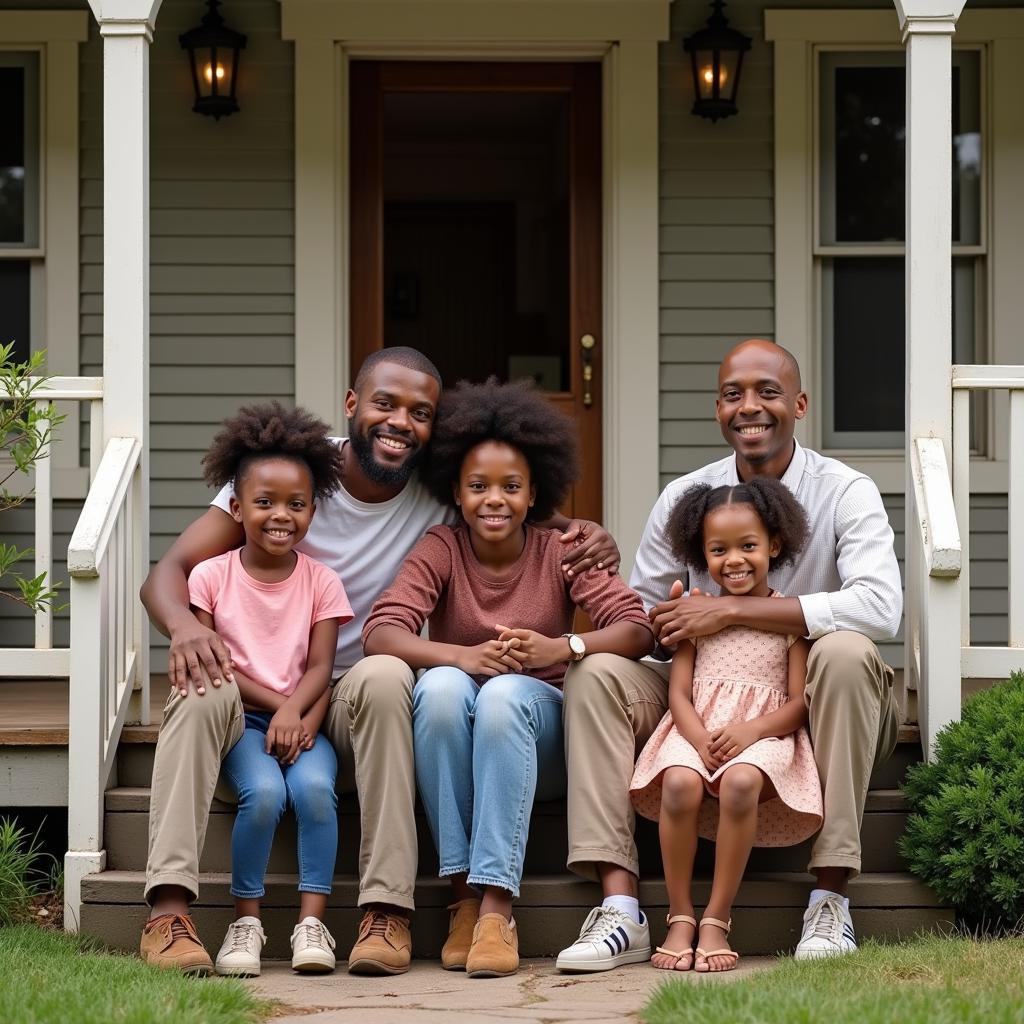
(731,760)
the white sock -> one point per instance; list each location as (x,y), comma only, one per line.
(820,894)
(627,904)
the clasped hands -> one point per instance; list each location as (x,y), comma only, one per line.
(514,650)
(290,733)
(718,746)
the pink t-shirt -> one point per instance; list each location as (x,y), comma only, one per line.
(267,625)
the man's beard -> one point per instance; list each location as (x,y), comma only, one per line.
(385,476)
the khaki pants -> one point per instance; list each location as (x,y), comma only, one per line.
(370,725)
(612,705)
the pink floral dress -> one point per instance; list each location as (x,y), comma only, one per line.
(739,674)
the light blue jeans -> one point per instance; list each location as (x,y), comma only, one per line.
(265,788)
(482,754)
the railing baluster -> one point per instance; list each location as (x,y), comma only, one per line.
(1015,518)
(962,501)
(44,533)
(95,437)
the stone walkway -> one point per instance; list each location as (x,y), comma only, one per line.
(538,993)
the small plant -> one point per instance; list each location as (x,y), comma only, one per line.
(26,432)
(965,834)
(21,877)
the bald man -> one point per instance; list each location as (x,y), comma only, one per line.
(844,595)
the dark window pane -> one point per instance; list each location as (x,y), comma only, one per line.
(868,351)
(870,154)
(14,306)
(12,154)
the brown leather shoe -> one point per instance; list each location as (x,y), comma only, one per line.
(170,941)
(460,934)
(495,949)
(384,945)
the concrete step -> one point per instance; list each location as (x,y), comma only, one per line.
(126,825)
(767,914)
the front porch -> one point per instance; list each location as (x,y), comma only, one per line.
(85,741)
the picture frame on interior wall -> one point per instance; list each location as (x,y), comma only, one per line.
(54,37)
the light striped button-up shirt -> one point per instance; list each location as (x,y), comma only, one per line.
(846,577)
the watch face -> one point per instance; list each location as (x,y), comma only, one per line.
(576,645)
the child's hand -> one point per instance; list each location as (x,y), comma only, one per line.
(731,740)
(534,650)
(491,658)
(284,735)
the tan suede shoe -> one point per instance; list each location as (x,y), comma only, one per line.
(460,934)
(384,945)
(495,949)
(170,941)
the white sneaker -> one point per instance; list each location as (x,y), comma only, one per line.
(609,938)
(828,930)
(312,947)
(239,956)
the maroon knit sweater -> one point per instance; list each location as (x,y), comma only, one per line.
(442,582)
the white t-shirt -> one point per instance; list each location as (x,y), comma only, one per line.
(365,543)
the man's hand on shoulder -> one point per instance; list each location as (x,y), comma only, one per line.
(688,615)
(197,654)
(590,544)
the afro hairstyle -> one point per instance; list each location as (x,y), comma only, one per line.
(782,515)
(271,431)
(514,414)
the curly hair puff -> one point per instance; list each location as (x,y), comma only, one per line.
(269,431)
(513,414)
(782,515)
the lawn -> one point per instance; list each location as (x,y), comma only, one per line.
(927,980)
(47,977)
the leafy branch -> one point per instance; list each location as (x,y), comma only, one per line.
(27,426)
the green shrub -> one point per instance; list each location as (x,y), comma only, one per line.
(965,834)
(21,877)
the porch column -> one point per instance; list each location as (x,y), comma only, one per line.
(928,27)
(127,30)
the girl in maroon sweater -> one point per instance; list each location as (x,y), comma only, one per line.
(487,715)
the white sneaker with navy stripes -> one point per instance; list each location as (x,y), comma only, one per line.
(828,930)
(609,938)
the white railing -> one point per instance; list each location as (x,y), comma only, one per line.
(43,660)
(106,565)
(939,653)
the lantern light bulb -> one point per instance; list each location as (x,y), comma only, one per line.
(208,73)
(708,75)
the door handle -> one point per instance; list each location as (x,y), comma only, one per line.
(587,343)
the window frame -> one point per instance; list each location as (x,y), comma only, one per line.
(796,36)
(54,275)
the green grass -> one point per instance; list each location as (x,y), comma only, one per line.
(47,977)
(927,980)
(21,877)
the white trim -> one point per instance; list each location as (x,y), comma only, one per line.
(797,35)
(57,35)
(622,33)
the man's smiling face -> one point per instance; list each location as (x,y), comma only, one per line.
(759,401)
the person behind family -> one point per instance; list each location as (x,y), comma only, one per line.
(843,593)
(362,532)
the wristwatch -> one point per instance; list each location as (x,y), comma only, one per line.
(576,646)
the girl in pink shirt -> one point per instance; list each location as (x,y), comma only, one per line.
(487,716)
(278,611)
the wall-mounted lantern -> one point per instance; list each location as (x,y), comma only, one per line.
(716,55)
(213,56)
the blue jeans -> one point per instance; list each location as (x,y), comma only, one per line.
(482,754)
(265,788)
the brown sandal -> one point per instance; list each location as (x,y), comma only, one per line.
(704,955)
(671,920)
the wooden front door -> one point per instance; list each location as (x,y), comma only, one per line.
(476,228)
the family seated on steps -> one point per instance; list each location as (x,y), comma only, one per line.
(744,652)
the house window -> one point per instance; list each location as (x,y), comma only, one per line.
(860,237)
(19,194)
